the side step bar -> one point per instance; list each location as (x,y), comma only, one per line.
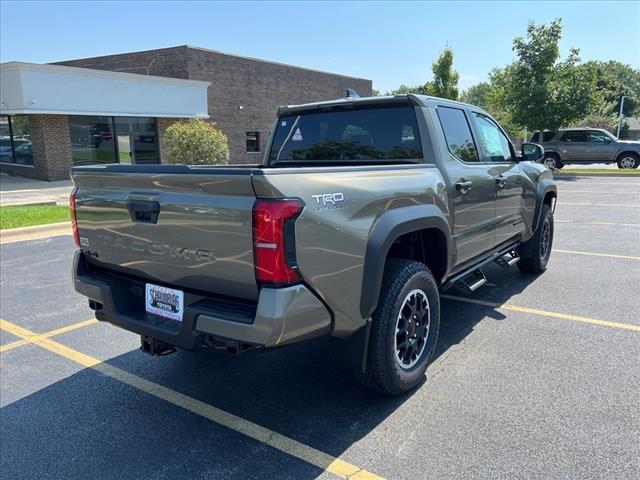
(472,282)
(472,277)
(508,259)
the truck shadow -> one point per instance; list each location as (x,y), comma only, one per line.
(301,391)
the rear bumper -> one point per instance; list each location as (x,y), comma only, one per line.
(281,316)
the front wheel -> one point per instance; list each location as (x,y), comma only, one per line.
(628,161)
(539,245)
(404,328)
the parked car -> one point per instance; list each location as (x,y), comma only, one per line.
(587,145)
(362,211)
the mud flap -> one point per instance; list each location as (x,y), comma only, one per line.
(352,352)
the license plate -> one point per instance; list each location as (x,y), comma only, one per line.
(166,302)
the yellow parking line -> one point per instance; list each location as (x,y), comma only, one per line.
(609,255)
(273,439)
(52,333)
(564,316)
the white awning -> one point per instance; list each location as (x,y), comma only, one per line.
(55,89)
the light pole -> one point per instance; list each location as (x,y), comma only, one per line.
(620,116)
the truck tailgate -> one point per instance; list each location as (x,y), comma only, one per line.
(180,226)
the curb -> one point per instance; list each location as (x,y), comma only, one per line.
(608,175)
(11,235)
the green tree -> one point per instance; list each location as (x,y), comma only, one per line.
(445,78)
(615,80)
(196,142)
(604,116)
(479,95)
(538,90)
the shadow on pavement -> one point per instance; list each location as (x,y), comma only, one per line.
(89,424)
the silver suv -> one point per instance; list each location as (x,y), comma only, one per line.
(587,145)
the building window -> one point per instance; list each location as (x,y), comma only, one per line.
(113,139)
(253,142)
(92,140)
(136,139)
(15,140)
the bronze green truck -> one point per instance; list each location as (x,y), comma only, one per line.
(362,211)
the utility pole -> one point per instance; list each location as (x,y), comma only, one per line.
(620,116)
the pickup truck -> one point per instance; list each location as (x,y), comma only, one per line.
(362,211)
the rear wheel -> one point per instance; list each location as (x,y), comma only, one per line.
(552,161)
(404,328)
(539,245)
(628,160)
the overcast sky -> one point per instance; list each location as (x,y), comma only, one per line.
(390,43)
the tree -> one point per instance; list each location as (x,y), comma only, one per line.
(478,95)
(196,142)
(604,116)
(445,78)
(538,90)
(615,80)
(444,83)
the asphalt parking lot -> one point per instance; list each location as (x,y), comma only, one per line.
(535,377)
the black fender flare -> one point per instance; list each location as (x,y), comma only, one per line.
(545,187)
(389,227)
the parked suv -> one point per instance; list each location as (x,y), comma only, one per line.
(587,145)
(362,211)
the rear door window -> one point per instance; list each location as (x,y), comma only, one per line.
(573,136)
(371,134)
(458,133)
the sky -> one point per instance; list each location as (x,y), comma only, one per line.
(391,43)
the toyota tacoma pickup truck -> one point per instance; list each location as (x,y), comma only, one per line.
(362,211)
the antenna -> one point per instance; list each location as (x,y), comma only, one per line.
(351,94)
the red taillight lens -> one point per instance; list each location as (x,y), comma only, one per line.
(74,219)
(273,240)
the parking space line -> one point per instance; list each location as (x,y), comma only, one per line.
(593,254)
(52,333)
(252,430)
(609,224)
(544,313)
(634,205)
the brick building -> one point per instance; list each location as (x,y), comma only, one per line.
(116,108)
(244,93)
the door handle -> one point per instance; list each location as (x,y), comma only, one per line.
(501,181)
(464,187)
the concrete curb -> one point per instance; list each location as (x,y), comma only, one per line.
(36,232)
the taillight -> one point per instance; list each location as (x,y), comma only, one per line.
(273,240)
(74,219)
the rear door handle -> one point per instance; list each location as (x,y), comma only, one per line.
(501,181)
(464,186)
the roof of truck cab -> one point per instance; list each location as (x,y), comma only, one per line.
(413,98)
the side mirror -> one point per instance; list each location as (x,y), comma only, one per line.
(532,152)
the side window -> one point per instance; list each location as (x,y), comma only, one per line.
(573,136)
(597,137)
(495,144)
(458,134)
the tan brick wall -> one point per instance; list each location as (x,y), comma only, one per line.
(51,146)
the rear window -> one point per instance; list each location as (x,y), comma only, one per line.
(355,135)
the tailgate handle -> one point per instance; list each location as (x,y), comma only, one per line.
(143,211)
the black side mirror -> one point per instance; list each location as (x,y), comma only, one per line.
(532,152)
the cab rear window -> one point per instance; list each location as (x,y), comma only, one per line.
(348,135)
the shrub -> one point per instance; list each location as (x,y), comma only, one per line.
(196,142)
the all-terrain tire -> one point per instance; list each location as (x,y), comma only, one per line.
(539,245)
(385,372)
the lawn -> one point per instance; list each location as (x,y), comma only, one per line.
(597,171)
(14,216)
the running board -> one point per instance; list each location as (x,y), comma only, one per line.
(472,282)
(508,259)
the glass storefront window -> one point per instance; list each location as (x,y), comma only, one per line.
(113,139)
(15,140)
(137,139)
(92,140)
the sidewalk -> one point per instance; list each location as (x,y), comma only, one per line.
(23,191)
